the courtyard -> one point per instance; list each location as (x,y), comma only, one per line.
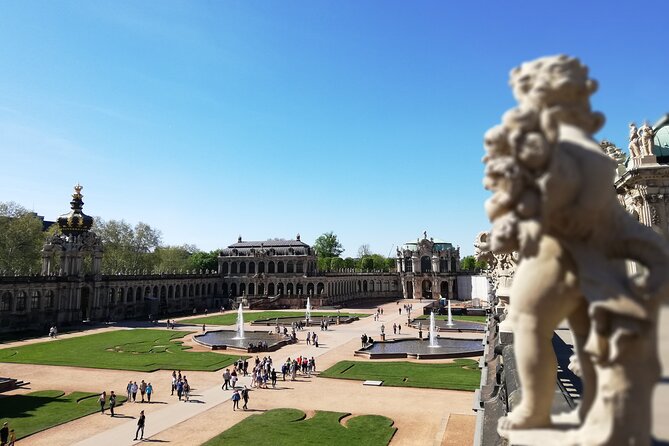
(341,410)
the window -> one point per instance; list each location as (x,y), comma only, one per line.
(34,300)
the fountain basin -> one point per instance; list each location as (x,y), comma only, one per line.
(227,340)
(314,320)
(420,349)
(458,326)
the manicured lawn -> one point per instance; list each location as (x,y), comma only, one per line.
(481,319)
(141,350)
(37,411)
(231,318)
(462,374)
(287,427)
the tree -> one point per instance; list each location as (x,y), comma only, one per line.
(173,258)
(324,263)
(128,248)
(468,263)
(349,262)
(336,263)
(364,250)
(201,260)
(21,238)
(390,264)
(367,263)
(327,245)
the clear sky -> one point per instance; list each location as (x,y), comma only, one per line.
(210,120)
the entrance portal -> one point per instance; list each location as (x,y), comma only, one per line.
(427,289)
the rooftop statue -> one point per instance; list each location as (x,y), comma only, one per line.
(646,137)
(635,149)
(553,203)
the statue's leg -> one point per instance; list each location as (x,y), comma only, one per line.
(579,322)
(543,294)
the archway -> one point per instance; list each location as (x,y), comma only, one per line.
(289,288)
(444,289)
(427,289)
(409,290)
(279,288)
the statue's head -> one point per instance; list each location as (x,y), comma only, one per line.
(559,83)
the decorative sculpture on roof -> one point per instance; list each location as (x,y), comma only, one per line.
(635,149)
(646,138)
(553,203)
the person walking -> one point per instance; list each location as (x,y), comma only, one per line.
(134,389)
(149,392)
(245,397)
(128,388)
(102,400)
(142,389)
(226,379)
(180,389)
(112,402)
(186,390)
(12,438)
(4,434)
(140,425)
(235,399)
(174,382)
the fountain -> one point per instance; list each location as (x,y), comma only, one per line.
(240,322)
(433,332)
(450,316)
(307,312)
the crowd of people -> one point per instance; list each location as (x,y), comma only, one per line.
(181,386)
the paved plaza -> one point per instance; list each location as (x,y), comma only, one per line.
(422,416)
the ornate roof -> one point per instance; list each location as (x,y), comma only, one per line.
(75,222)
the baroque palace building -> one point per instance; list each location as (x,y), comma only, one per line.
(71,287)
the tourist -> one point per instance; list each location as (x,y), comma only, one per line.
(174,382)
(308,337)
(226,379)
(128,388)
(140,425)
(112,402)
(149,391)
(315,339)
(394,328)
(274,378)
(233,378)
(363,339)
(245,397)
(204,327)
(4,434)
(400,311)
(102,400)
(246,367)
(142,389)
(399,328)
(134,390)
(180,388)
(235,399)
(186,390)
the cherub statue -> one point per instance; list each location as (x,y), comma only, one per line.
(646,137)
(635,150)
(554,203)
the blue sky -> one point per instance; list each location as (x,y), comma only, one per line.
(210,120)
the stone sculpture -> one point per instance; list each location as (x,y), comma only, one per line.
(646,138)
(635,150)
(553,203)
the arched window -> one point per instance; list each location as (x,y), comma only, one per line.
(289,288)
(224,268)
(425,264)
(299,289)
(279,267)
(364,286)
(233,268)
(299,268)
(408,265)
(242,268)
(128,296)
(191,290)
(453,265)
(242,289)
(34,300)
(279,288)
(320,288)
(270,267)
(49,299)
(252,289)
(261,267)
(290,267)
(6,302)
(252,267)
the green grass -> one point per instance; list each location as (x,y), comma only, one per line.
(37,411)
(231,318)
(462,374)
(481,319)
(288,427)
(141,350)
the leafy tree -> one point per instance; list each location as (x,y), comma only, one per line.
(350,262)
(390,264)
(337,263)
(201,260)
(470,263)
(21,238)
(324,263)
(128,248)
(327,245)
(367,263)
(173,258)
